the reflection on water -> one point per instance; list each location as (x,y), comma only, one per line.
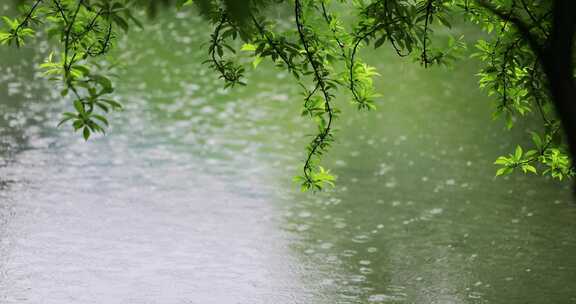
(189,199)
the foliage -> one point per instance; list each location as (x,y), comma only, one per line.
(320,50)
(513,74)
(84,30)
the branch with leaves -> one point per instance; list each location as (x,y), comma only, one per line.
(84,30)
(231,72)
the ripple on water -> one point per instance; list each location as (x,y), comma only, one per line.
(361,238)
(381,298)
(357,278)
(372,249)
(349,253)
(365,270)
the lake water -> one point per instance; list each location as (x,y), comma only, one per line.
(189,198)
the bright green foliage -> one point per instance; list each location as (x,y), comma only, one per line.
(320,50)
(16,33)
(513,75)
(84,29)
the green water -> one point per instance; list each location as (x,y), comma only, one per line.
(417,215)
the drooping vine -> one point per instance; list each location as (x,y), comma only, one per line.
(231,72)
(320,108)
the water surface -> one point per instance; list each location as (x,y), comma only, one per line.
(189,198)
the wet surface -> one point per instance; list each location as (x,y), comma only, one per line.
(129,231)
(189,198)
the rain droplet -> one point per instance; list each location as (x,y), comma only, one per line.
(361,238)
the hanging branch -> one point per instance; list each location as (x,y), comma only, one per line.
(328,18)
(24,22)
(67,41)
(320,141)
(429,12)
(228,70)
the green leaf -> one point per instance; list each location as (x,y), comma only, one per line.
(114,104)
(504,171)
(5,37)
(121,22)
(444,21)
(537,140)
(182,3)
(64,120)
(86,133)
(529,168)
(104,82)
(13,24)
(101,118)
(379,42)
(530,153)
(502,160)
(248,47)
(79,106)
(518,153)
(77,124)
